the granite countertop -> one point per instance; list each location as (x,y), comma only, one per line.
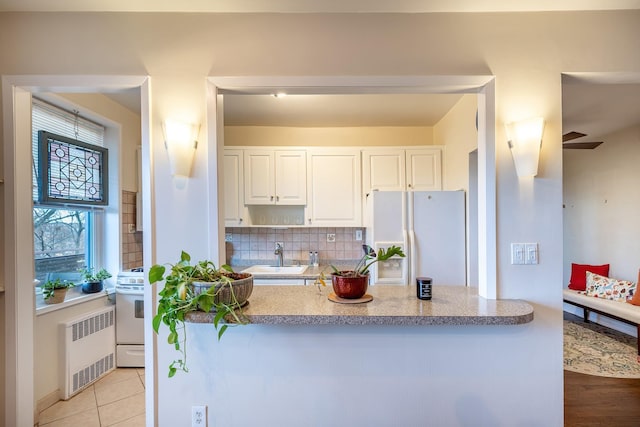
(391,305)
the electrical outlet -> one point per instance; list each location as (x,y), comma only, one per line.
(199,416)
(132,228)
(331,237)
(228,237)
(358,235)
(279,245)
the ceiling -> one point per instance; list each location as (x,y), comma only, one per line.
(598,109)
(337,110)
(313,6)
(592,109)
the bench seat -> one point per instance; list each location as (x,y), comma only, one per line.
(622,311)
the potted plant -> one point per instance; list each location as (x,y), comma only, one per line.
(93,282)
(55,290)
(352,284)
(200,287)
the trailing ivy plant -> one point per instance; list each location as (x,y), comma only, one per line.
(177,298)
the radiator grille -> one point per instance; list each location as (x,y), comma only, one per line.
(91,373)
(89,350)
(92,325)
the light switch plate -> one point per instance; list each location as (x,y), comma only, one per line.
(358,235)
(228,237)
(331,237)
(531,253)
(517,253)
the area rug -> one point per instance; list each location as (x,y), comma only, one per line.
(596,350)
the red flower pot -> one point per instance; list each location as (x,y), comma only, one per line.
(349,287)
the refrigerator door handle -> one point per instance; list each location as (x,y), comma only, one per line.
(412,257)
(405,264)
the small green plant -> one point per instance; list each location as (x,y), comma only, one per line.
(177,298)
(50,286)
(90,277)
(369,258)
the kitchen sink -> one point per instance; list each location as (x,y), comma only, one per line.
(272,269)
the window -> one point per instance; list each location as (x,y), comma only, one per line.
(65,227)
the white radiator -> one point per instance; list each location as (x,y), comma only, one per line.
(89,344)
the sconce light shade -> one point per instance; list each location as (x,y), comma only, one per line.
(524,140)
(180,141)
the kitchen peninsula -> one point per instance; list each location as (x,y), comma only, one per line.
(391,305)
(396,360)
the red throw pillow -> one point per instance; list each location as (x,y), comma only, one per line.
(578,281)
(636,294)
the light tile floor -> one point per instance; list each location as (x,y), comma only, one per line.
(115,400)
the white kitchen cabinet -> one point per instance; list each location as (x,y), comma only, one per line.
(424,169)
(383,170)
(334,188)
(275,177)
(397,169)
(234,210)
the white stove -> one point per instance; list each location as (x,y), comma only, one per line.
(130,318)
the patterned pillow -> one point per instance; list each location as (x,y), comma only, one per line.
(608,288)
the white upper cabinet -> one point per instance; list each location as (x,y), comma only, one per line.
(234,214)
(291,177)
(424,169)
(334,187)
(396,169)
(383,170)
(275,177)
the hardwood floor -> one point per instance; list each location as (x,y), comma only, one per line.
(600,401)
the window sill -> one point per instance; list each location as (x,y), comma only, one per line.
(74,296)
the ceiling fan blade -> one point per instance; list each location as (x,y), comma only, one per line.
(572,135)
(581,145)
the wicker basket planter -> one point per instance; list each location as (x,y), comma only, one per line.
(242,285)
(58,296)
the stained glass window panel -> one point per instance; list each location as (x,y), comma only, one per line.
(71,171)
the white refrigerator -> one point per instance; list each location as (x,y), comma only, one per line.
(428,225)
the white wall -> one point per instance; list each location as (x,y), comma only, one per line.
(525,52)
(600,215)
(602,204)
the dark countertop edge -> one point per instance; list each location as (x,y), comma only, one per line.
(301,319)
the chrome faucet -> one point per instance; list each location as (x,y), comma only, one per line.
(280,252)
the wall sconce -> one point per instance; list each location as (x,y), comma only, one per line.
(524,138)
(180,139)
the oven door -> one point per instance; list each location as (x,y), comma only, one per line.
(129,316)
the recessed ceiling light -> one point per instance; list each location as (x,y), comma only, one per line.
(279,95)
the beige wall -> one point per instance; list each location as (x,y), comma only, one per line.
(330,136)
(525,52)
(457,132)
(130,132)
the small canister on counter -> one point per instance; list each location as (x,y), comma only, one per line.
(423,287)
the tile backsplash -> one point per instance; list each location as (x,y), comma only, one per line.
(256,245)
(131,242)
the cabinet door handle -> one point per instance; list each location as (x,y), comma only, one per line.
(277,198)
(240,220)
(309,220)
(271,199)
(409,185)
